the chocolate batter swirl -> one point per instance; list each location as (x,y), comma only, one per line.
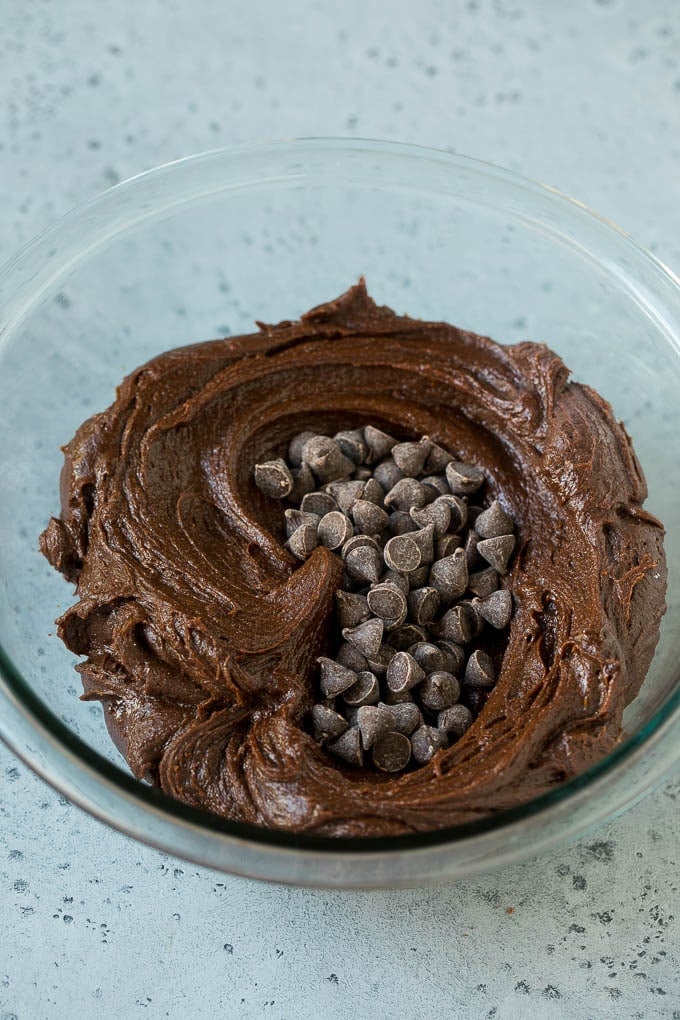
(201,632)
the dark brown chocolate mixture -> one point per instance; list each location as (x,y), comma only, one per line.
(201,632)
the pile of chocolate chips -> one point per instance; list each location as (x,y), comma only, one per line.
(421,587)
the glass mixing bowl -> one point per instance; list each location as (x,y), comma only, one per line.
(201,248)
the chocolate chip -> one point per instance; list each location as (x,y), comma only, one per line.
(352,658)
(296,446)
(319,503)
(373,492)
(303,483)
(335,678)
(483,582)
(419,577)
(367,637)
(494,522)
(401,553)
(423,605)
(274,479)
(424,539)
(450,576)
(378,444)
(497,551)
(458,624)
(428,656)
(296,518)
(436,482)
(438,691)
(410,457)
(496,608)
(346,493)
(480,670)
(356,542)
(326,459)
(352,609)
(386,601)
(368,517)
(364,564)
(391,752)
(403,672)
(463,478)
(454,656)
(437,459)
(387,474)
(458,511)
(425,743)
(348,747)
(446,546)
(407,493)
(334,529)
(398,580)
(379,663)
(303,541)
(352,444)
(472,557)
(436,514)
(406,635)
(455,720)
(327,724)
(401,522)
(406,717)
(366,690)
(373,721)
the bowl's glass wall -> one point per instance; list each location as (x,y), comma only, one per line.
(198,254)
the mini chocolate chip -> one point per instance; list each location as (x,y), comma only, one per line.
(403,672)
(401,522)
(352,609)
(303,541)
(497,551)
(364,564)
(463,478)
(437,514)
(405,636)
(378,444)
(458,624)
(367,637)
(326,459)
(406,717)
(368,517)
(455,720)
(346,493)
(387,474)
(450,576)
(391,752)
(296,518)
(296,446)
(274,479)
(386,601)
(437,459)
(480,670)
(348,747)
(365,691)
(494,522)
(446,546)
(401,553)
(425,743)
(407,493)
(428,656)
(335,678)
(319,503)
(326,723)
(423,605)
(410,457)
(439,690)
(334,529)
(373,721)
(483,582)
(352,444)
(496,608)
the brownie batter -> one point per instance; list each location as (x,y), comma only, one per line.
(201,632)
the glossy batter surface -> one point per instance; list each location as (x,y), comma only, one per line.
(201,632)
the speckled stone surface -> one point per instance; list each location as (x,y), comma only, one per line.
(585,96)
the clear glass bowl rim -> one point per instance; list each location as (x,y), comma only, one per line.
(88,779)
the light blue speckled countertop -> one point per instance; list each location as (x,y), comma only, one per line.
(585,96)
